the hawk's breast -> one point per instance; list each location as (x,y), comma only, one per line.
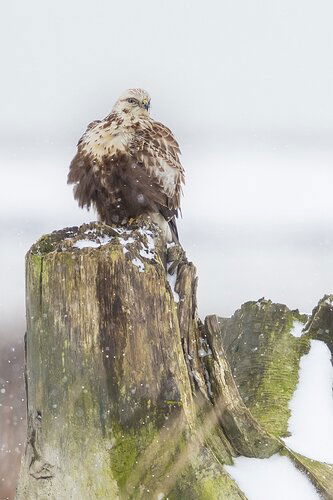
(105,140)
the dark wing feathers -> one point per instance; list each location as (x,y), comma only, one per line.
(81,174)
(156,148)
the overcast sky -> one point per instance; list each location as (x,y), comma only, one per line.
(237,64)
(246,86)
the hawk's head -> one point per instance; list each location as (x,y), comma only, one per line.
(135,102)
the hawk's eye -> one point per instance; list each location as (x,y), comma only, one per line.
(131,101)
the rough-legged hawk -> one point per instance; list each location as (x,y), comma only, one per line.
(128,165)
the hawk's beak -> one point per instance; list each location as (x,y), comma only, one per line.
(145,104)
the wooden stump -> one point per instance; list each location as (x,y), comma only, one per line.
(129,395)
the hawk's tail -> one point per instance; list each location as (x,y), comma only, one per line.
(169,216)
(173,229)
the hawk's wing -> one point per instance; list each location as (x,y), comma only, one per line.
(156,149)
(81,174)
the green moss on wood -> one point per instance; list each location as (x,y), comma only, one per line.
(219,488)
(319,473)
(280,378)
(126,450)
(265,356)
(203,480)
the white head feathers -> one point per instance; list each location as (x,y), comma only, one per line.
(133,102)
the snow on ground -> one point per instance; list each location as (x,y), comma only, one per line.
(311,421)
(274,478)
(297,329)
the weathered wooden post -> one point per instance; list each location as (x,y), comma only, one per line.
(129,395)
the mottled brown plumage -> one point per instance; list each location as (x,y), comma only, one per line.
(128,165)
